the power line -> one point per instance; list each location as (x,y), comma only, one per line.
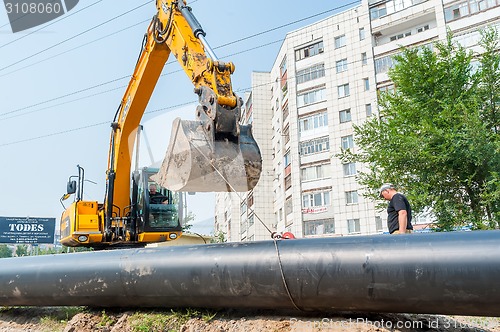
(221,46)
(64,96)
(170,108)
(102,92)
(88,126)
(290,23)
(54,134)
(86,89)
(75,48)
(73,37)
(64,103)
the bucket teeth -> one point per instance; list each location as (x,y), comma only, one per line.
(197,162)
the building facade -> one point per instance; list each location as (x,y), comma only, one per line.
(326,78)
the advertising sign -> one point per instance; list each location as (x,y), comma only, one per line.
(314,209)
(27,230)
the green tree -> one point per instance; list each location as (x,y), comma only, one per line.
(66,249)
(5,251)
(21,250)
(436,136)
(219,237)
(49,251)
(187,221)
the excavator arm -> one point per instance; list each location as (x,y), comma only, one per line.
(213,153)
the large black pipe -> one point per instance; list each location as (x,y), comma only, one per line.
(443,273)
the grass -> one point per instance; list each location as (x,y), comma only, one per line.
(166,321)
(106,320)
(57,319)
(53,319)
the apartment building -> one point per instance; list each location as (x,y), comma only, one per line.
(326,78)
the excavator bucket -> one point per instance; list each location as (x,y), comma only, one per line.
(198,161)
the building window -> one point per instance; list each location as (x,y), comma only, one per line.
(378,11)
(340,41)
(341,65)
(386,89)
(364,58)
(361,33)
(311,73)
(288,181)
(353,226)
(286,134)
(317,145)
(312,122)
(316,199)
(347,142)
(368,109)
(457,11)
(243,225)
(474,5)
(351,197)
(250,199)
(285,112)
(349,169)
(284,88)
(309,51)
(288,206)
(250,220)
(287,160)
(423,28)
(311,97)
(366,83)
(378,224)
(343,90)
(315,172)
(382,65)
(283,67)
(345,115)
(319,227)
(400,36)
(243,207)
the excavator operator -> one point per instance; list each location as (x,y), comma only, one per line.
(155,197)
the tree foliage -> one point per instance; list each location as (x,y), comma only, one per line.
(187,222)
(21,250)
(437,134)
(5,251)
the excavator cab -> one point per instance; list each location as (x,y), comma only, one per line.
(148,219)
(159,208)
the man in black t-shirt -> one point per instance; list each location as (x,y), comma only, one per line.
(398,210)
(155,197)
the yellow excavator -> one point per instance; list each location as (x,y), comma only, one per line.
(213,153)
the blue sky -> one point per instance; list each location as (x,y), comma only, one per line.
(61,83)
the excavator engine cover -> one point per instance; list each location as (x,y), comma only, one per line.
(199,161)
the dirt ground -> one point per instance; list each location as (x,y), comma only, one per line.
(52,319)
